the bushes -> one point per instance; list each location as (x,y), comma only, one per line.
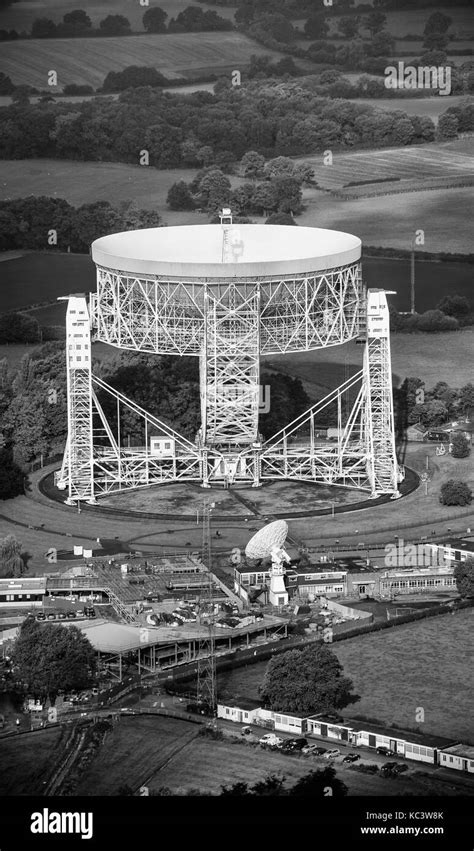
(455,492)
(133,77)
(18,328)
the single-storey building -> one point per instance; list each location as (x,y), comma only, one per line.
(411,745)
(291,722)
(243,713)
(456,549)
(416,432)
(25,592)
(328,727)
(460,757)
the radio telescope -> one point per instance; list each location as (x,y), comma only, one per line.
(228,295)
(272,535)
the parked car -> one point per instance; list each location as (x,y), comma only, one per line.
(71,614)
(61,616)
(388,768)
(332,754)
(41,616)
(246,731)
(271,741)
(313,749)
(351,757)
(399,768)
(385,751)
(294,744)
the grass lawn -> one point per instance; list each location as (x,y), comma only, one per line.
(26,761)
(133,752)
(87,61)
(396,671)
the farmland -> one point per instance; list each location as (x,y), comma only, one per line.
(20,16)
(392,220)
(432,107)
(27,760)
(133,752)
(440,159)
(87,61)
(396,671)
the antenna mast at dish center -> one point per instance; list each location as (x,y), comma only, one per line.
(229,294)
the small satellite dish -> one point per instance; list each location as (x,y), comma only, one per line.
(272,535)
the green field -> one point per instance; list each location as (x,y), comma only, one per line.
(391,221)
(394,672)
(432,107)
(20,16)
(87,61)
(436,159)
(134,751)
(27,760)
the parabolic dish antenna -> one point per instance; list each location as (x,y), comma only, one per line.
(272,535)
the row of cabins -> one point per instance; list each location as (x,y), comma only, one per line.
(433,750)
(334,580)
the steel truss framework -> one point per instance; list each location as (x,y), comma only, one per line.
(229,324)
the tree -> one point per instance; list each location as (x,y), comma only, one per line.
(11,562)
(154,20)
(448,126)
(252,165)
(454,305)
(6,85)
(460,445)
(214,189)
(43,28)
(455,492)
(348,26)
(115,25)
(466,399)
(75,23)
(11,475)
(179,197)
(51,658)
(375,22)
(308,680)
(316,26)
(317,783)
(464,577)
(437,23)
(18,328)
(382,44)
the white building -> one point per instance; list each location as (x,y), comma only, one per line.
(460,757)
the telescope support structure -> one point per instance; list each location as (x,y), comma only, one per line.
(228,447)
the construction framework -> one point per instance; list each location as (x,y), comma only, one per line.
(229,295)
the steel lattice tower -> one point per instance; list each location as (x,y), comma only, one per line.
(229,295)
(206,668)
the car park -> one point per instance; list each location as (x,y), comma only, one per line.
(332,754)
(351,757)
